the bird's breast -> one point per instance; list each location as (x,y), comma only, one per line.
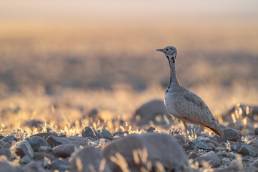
(169,102)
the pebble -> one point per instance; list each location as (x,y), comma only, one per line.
(42,155)
(234,166)
(76,140)
(203,143)
(232,134)
(210,157)
(104,133)
(119,134)
(255,163)
(64,150)
(59,165)
(89,132)
(256,131)
(246,150)
(9,139)
(25,159)
(150,129)
(93,113)
(34,123)
(45,135)
(36,142)
(236,146)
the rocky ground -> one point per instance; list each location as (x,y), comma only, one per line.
(150,141)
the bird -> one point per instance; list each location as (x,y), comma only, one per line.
(184,104)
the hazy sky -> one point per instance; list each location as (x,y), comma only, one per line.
(31,10)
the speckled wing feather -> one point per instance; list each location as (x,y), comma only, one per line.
(192,108)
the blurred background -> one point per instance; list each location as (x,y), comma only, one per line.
(102,54)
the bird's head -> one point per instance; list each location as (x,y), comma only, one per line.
(170,52)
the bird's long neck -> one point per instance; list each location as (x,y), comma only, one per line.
(173,79)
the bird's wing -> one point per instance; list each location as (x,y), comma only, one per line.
(193,108)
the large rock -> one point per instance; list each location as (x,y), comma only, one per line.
(88,159)
(137,150)
(152,111)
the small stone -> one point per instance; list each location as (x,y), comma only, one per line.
(23,148)
(104,133)
(89,132)
(64,151)
(55,140)
(119,134)
(9,139)
(4,144)
(192,155)
(25,159)
(93,113)
(45,149)
(45,135)
(204,143)
(210,157)
(247,150)
(36,142)
(256,131)
(34,123)
(234,166)
(255,163)
(151,129)
(232,134)
(43,155)
(60,165)
(236,146)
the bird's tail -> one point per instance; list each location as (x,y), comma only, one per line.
(216,128)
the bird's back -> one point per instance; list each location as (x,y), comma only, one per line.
(187,106)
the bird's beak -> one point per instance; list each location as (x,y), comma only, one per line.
(161,50)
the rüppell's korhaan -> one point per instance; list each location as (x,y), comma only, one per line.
(184,104)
